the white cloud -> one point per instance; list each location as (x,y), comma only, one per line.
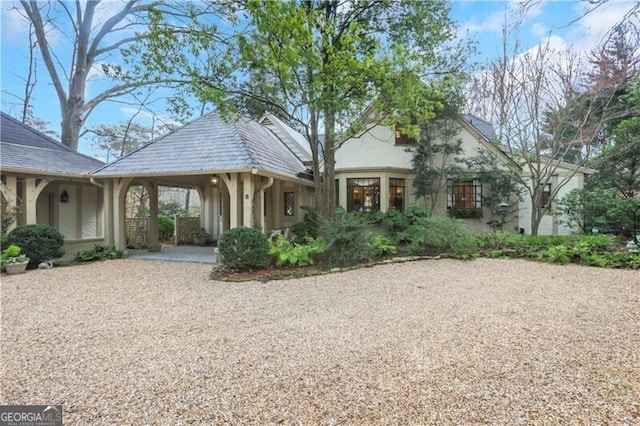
(539,30)
(591,29)
(15,27)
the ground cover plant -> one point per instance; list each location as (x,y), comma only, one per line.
(352,239)
(99,252)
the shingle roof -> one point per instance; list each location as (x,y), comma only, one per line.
(483,127)
(296,142)
(209,144)
(26,149)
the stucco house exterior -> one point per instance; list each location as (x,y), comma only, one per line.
(374,172)
(50,184)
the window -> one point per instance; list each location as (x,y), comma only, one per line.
(464,198)
(289,203)
(545,196)
(396,194)
(363,195)
(402,139)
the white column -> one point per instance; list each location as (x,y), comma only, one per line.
(152,230)
(119,214)
(215,206)
(248,189)
(33,189)
(11,196)
(107,212)
(232,186)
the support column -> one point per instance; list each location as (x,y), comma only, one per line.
(10,192)
(384,192)
(232,186)
(216,205)
(207,209)
(248,189)
(261,209)
(119,213)
(152,229)
(342,192)
(33,189)
(107,212)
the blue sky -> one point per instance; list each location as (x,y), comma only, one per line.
(479,20)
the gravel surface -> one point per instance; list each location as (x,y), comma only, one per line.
(429,342)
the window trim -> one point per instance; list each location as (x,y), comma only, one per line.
(291,213)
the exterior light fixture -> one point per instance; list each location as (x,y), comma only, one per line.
(503,208)
(214,180)
(64,197)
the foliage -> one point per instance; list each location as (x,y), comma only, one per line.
(115,140)
(309,227)
(12,254)
(9,215)
(38,242)
(244,248)
(395,221)
(99,252)
(435,155)
(604,209)
(171,208)
(460,213)
(436,235)
(347,238)
(166,228)
(287,252)
(382,246)
(313,63)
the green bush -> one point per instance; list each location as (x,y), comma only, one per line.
(244,248)
(309,227)
(437,235)
(38,242)
(99,252)
(287,252)
(347,238)
(396,221)
(166,228)
(382,246)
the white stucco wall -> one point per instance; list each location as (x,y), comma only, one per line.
(550,224)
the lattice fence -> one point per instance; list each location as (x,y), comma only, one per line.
(136,231)
(185,227)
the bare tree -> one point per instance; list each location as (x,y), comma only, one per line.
(531,97)
(92,39)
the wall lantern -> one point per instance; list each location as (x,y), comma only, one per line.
(214,180)
(503,208)
(64,197)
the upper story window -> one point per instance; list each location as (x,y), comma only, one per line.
(402,139)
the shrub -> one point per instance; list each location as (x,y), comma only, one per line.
(309,227)
(347,238)
(166,228)
(38,242)
(99,252)
(286,252)
(244,248)
(382,246)
(437,235)
(396,221)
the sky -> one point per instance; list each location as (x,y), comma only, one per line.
(480,21)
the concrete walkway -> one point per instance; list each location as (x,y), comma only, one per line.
(170,253)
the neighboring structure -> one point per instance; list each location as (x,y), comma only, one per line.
(374,172)
(50,184)
(246,172)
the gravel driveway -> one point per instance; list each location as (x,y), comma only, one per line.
(429,342)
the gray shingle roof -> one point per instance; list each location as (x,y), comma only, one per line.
(25,149)
(483,127)
(209,144)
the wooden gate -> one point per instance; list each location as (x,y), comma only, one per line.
(185,227)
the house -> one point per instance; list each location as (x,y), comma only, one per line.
(374,173)
(49,184)
(246,172)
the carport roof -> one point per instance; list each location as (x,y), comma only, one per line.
(24,149)
(210,144)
